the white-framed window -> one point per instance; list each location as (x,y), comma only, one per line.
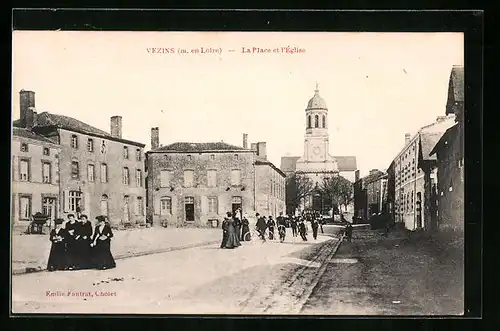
(90,173)
(104,173)
(75,170)
(235,177)
(165,178)
(46,151)
(166,206)
(213,204)
(235,157)
(103,147)
(104,205)
(126,177)
(188,178)
(74,141)
(138,177)
(24,147)
(138,154)
(24,208)
(90,145)
(139,206)
(46,171)
(125,152)
(24,170)
(211,178)
(189,157)
(212,157)
(74,200)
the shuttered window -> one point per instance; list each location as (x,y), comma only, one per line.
(213,204)
(165,178)
(212,178)
(235,177)
(188,178)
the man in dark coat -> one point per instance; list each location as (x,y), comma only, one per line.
(348,232)
(302,229)
(281,223)
(270,225)
(72,230)
(293,225)
(261,226)
(57,257)
(314,226)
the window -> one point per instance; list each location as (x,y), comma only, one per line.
(24,208)
(212,157)
(46,151)
(125,152)
(235,157)
(24,170)
(189,200)
(24,147)
(213,205)
(103,147)
(165,206)
(138,178)
(164,178)
(104,173)
(139,206)
(90,173)
(104,205)
(189,157)
(46,172)
(309,125)
(90,145)
(126,179)
(324,122)
(138,155)
(235,177)
(74,200)
(188,178)
(74,141)
(211,178)
(316,121)
(75,170)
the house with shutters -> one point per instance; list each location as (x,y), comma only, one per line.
(100,173)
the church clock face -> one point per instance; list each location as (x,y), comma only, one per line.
(316,150)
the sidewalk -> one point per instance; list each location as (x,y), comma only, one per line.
(30,252)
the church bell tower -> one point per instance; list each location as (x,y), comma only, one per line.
(316,144)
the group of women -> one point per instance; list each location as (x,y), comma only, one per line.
(76,246)
(235,229)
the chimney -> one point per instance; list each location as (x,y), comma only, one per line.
(31,118)
(356,175)
(116,126)
(407,138)
(261,150)
(155,138)
(245,140)
(26,101)
(373,171)
(253,147)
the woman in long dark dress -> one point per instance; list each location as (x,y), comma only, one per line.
(237,227)
(72,228)
(57,257)
(83,240)
(245,229)
(231,233)
(101,241)
(224,233)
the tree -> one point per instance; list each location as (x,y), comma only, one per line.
(338,189)
(297,188)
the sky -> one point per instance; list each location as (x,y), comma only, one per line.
(377,86)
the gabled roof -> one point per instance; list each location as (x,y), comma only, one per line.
(46,119)
(427,142)
(456,84)
(446,137)
(269,163)
(199,147)
(25,133)
(289,163)
(346,163)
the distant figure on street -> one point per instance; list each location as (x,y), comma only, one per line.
(101,242)
(72,228)
(225,225)
(321,222)
(270,225)
(348,232)
(83,240)
(342,218)
(314,226)
(237,227)
(57,256)
(293,225)
(231,239)
(302,230)
(245,229)
(261,226)
(281,227)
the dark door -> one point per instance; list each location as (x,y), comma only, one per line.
(419,209)
(189,209)
(236,203)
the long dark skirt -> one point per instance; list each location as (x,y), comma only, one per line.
(103,259)
(224,239)
(231,238)
(57,257)
(271,233)
(83,254)
(237,230)
(245,233)
(71,253)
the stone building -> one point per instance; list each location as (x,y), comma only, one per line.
(196,184)
(100,173)
(449,151)
(370,194)
(35,177)
(316,162)
(415,176)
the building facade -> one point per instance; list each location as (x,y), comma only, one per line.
(316,163)
(370,194)
(35,177)
(449,151)
(100,173)
(270,189)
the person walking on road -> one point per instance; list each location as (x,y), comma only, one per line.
(261,226)
(281,227)
(314,226)
(237,226)
(293,225)
(270,225)
(245,229)
(302,230)
(348,232)
(231,239)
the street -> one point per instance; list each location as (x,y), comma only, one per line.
(256,278)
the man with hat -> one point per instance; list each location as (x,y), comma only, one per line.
(261,226)
(57,256)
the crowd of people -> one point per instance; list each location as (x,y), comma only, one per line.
(236,228)
(76,246)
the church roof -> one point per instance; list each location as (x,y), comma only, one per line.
(316,102)
(346,163)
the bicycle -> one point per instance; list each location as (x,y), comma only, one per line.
(282,232)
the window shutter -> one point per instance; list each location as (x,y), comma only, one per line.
(66,201)
(86,203)
(156,205)
(204,204)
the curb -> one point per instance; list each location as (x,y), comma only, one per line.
(29,270)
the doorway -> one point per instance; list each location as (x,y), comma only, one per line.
(49,209)
(189,208)
(236,203)
(419,210)
(104,205)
